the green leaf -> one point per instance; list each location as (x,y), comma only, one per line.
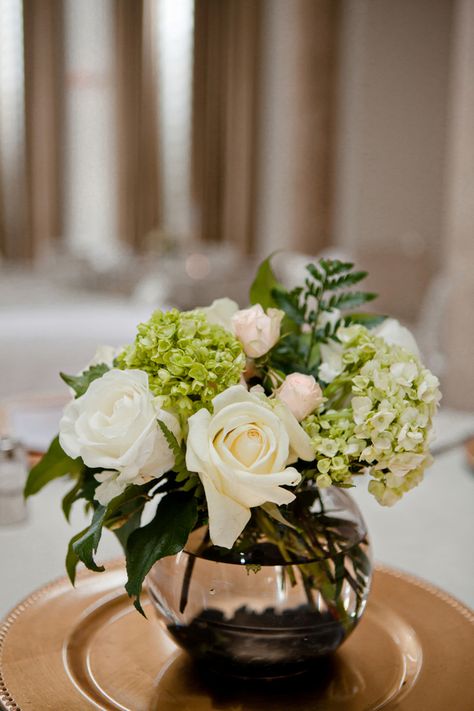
(340,574)
(165,535)
(289,304)
(132,523)
(367,320)
(122,508)
(264,284)
(127,503)
(330,267)
(188,480)
(274,512)
(344,280)
(54,464)
(72,496)
(350,299)
(80,383)
(87,543)
(72,560)
(173,444)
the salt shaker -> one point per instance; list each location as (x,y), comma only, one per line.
(13,470)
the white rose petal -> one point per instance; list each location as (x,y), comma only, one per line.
(241,454)
(114,427)
(109,487)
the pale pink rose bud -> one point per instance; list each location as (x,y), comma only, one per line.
(256,330)
(301,393)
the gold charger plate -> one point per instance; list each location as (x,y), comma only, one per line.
(65,649)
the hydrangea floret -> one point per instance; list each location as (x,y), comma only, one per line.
(188,360)
(388,402)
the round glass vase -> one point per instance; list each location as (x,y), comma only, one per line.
(264,611)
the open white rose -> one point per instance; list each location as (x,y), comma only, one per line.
(301,393)
(395,334)
(113,426)
(241,454)
(256,330)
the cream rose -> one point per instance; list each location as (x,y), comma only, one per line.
(256,330)
(301,393)
(114,426)
(241,454)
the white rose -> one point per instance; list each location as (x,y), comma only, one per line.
(114,426)
(256,330)
(395,334)
(301,393)
(241,454)
(220,312)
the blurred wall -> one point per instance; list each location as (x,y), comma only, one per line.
(458,252)
(297,116)
(393,104)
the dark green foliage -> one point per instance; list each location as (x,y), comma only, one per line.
(80,383)
(123,510)
(54,464)
(187,480)
(165,535)
(261,291)
(324,291)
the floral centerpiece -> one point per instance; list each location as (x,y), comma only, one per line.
(237,423)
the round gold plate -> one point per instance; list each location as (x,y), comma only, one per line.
(66,649)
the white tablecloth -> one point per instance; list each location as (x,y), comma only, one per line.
(428,533)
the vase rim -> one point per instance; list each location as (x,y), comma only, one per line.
(283,564)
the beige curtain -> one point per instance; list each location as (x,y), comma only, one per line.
(225,108)
(43,33)
(458,254)
(138,176)
(264,74)
(30,222)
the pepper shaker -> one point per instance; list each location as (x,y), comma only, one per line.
(13,471)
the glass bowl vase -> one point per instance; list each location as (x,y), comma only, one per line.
(269,609)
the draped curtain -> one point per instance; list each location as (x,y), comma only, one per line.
(225,110)
(31,201)
(43,48)
(264,75)
(138,160)
(261,126)
(30,184)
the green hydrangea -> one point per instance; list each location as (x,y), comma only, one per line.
(188,360)
(336,447)
(389,401)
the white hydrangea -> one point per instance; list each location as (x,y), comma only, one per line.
(385,424)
